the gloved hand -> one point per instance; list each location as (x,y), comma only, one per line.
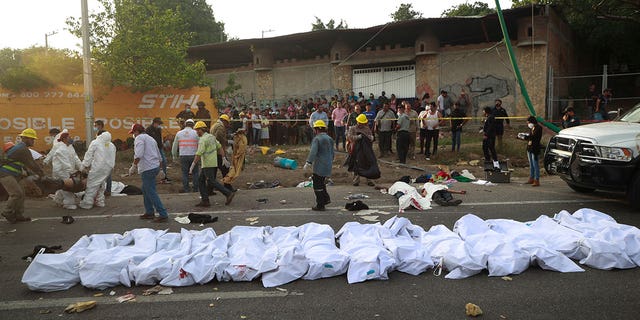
(359,136)
(306,166)
(225,162)
(133,169)
(193,165)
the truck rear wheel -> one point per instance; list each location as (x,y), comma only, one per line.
(633,192)
(580,189)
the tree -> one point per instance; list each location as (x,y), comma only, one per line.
(199,18)
(142,46)
(319,25)
(37,67)
(465,9)
(405,12)
(609,29)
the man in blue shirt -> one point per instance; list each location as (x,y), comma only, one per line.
(370,114)
(321,157)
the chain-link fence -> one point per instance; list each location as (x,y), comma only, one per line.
(581,91)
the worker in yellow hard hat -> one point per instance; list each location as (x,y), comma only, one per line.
(207,156)
(359,143)
(321,158)
(219,131)
(18,158)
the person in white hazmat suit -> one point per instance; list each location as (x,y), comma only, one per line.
(99,160)
(65,162)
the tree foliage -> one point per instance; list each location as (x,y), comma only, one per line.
(142,46)
(609,29)
(331,25)
(37,67)
(477,8)
(405,12)
(199,18)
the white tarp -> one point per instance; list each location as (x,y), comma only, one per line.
(291,261)
(403,240)
(369,258)
(410,198)
(449,252)
(367,251)
(324,258)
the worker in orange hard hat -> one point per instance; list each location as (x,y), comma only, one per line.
(18,158)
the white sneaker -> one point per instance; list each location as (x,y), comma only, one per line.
(100,204)
(70,206)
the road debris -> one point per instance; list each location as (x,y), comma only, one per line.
(80,306)
(472,310)
(126,297)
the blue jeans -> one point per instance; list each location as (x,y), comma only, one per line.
(208,175)
(185,163)
(256,136)
(455,140)
(152,201)
(164,162)
(534,166)
(109,183)
(340,136)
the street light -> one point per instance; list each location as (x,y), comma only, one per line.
(264,31)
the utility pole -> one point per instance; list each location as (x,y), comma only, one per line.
(46,41)
(87,74)
(265,31)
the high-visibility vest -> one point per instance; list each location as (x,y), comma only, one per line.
(10,166)
(187,141)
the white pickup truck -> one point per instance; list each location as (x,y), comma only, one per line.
(603,156)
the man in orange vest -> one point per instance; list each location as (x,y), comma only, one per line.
(185,145)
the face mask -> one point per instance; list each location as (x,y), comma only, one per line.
(95,128)
(530,125)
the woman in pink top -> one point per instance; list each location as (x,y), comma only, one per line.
(338,115)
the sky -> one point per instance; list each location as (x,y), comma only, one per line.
(25,22)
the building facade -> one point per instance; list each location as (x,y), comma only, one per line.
(408,59)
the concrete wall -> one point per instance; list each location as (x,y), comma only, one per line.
(486,76)
(302,81)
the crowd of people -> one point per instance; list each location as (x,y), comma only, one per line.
(351,123)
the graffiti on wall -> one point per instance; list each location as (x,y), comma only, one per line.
(484,91)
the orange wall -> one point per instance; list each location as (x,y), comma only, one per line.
(63,107)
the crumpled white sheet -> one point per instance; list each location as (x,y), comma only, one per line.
(605,243)
(411,197)
(449,252)
(403,240)
(369,258)
(525,238)
(251,252)
(325,259)
(291,261)
(367,251)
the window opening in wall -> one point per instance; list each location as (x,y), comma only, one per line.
(530,32)
(337,56)
(257,60)
(422,47)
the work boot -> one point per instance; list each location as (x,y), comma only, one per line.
(11,220)
(22,219)
(229,198)
(536,183)
(160,219)
(204,203)
(318,208)
(146,216)
(530,181)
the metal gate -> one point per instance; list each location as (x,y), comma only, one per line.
(398,80)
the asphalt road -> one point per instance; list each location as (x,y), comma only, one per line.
(534,294)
